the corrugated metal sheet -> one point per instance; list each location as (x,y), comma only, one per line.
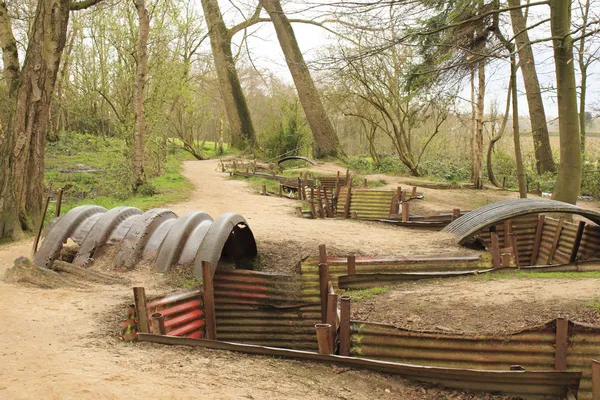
(381,265)
(524,229)
(534,349)
(468,225)
(182,312)
(590,243)
(367,204)
(264,309)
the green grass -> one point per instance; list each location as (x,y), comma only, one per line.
(595,304)
(520,274)
(364,294)
(110,184)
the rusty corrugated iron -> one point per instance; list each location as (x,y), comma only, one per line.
(381,265)
(264,309)
(182,312)
(533,348)
(527,384)
(158,235)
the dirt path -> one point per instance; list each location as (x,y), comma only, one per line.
(62,344)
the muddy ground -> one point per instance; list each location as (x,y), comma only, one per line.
(63,343)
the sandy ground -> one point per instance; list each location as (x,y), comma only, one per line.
(62,344)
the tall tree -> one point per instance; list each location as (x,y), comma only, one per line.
(238,114)
(141,70)
(326,140)
(568,181)
(539,127)
(23,144)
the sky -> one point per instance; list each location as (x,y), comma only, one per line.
(266,54)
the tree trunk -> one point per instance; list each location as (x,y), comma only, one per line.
(139,129)
(473,124)
(582,100)
(478,140)
(22,169)
(10,55)
(238,114)
(516,133)
(495,139)
(568,182)
(62,82)
(539,127)
(327,143)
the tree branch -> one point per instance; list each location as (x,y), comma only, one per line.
(83,4)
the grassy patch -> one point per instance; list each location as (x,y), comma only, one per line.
(595,304)
(519,274)
(97,170)
(364,294)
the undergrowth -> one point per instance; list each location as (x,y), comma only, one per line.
(364,294)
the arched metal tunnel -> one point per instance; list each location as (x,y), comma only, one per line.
(157,235)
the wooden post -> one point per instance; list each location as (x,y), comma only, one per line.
(506,256)
(320,203)
(595,380)
(313,212)
(515,247)
(327,204)
(280,190)
(577,243)
(455,213)
(504,183)
(264,190)
(337,190)
(40,228)
(59,194)
(347,177)
(209,301)
(345,326)
(399,197)
(351,264)
(366,183)
(139,297)
(393,205)
(405,215)
(299,212)
(332,316)
(561,344)
(158,324)
(323,338)
(323,289)
(496,260)
(561,221)
(304,188)
(538,239)
(299,188)
(348,199)
(322,253)
(254,167)
(414,191)
(247,173)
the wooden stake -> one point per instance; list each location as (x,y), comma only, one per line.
(595,380)
(327,204)
(264,190)
(323,289)
(405,215)
(280,190)
(299,188)
(345,326)
(561,344)
(506,256)
(561,222)
(322,253)
(577,243)
(59,194)
(320,203)
(209,301)
(538,239)
(351,264)
(366,183)
(399,198)
(40,228)
(348,199)
(515,248)
(414,191)
(455,214)
(139,297)
(496,259)
(507,232)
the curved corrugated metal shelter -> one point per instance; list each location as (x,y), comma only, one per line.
(157,235)
(469,224)
(313,162)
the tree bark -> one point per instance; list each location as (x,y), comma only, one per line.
(516,133)
(539,127)
(473,124)
(22,172)
(139,129)
(568,182)
(327,143)
(495,139)
(478,140)
(238,113)
(62,82)
(10,55)
(583,71)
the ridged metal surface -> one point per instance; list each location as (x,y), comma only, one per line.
(468,225)
(534,348)
(523,227)
(157,235)
(182,312)
(385,265)
(367,203)
(264,309)
(313,162)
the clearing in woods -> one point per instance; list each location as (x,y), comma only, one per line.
(64,344)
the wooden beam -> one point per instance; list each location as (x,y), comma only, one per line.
(209,301)
(538,239)
(345,326)
(556,239)
(141,312)
(561,344)
(577,243)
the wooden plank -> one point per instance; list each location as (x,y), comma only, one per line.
(141,312)
(323,289)
(348,198)
(345,326)
(577,243)
(538,239)
(595,380)
(555,240)
(562,344)
(209,301)
(496,258)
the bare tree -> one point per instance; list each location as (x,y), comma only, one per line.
(141,70)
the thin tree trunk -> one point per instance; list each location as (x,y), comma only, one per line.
(139,131)
(583,68)
(539,127)
(516,133)
(473,124)
(478,145)
(327,143)
(10,55)
(64,78)
(495,139)
(238,113)
(568,182)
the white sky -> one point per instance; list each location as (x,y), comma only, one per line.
(267,54)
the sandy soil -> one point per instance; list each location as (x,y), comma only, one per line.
(63,344)
(476,305)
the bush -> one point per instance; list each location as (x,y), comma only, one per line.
(147,189)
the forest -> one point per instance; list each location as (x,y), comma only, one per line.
(489,92)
